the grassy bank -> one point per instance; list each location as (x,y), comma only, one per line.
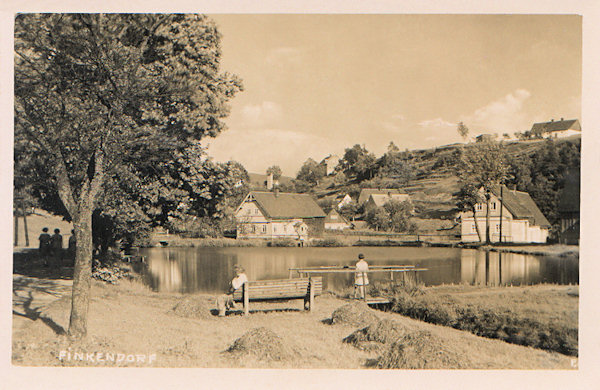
(183,331)
(544,317)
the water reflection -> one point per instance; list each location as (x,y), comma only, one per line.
(189,270)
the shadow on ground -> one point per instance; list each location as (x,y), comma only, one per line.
(29,263)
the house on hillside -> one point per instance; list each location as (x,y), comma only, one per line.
(519,220)
(378,200)
(266,182)
(336,221)
(279,215)
(347,199)
(486,137)
(365,193)
(330,163)
(568,210)
(557,129)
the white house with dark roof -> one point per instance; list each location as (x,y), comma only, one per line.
(557,129)
(519,220)
(279,215)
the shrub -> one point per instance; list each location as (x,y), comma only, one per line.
(282,242)
(327,242)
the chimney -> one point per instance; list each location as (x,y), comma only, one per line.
(552,120)
(270,181)
(276,192)
(562,119)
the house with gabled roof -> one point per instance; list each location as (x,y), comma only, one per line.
(365,193)
(557,129)
(336,221)
(379,200)
(568,209)
(279,215)
(516,218)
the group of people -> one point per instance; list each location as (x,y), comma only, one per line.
(51,247)
(225,301)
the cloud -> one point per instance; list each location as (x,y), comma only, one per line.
(503,115)
(437,122)
(259,115)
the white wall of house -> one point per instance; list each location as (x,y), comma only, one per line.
(564,133)
(345,200)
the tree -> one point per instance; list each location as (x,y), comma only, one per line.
(92,89)
(311,172)
(466,199)
(483,165)
(275,170)
(394,216)
(358,163)
(463,130)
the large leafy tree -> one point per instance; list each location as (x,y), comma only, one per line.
(93,89)
(358,163)
(482,165)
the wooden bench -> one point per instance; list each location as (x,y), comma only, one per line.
(280,289)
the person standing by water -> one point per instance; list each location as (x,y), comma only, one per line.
(225,301)
(45,247)
(361,280)
(56,243)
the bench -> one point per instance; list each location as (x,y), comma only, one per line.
(279,289)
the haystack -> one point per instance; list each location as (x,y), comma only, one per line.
(377,335)
(263,344)
(420,350)
(355,313)
(195,307)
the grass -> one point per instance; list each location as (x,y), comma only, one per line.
(544,317)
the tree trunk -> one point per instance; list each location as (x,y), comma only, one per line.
(476,225)
(487,219)
(82,273)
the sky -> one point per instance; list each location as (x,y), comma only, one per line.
(317,84)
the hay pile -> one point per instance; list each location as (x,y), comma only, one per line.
(355,313)
(263,344)
(195,307)
(377,335)
(421,350)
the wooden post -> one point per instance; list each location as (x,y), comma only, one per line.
(16,228)
(311,296)
(290,274)
(392,275)
(25,223)
(364,287)
(246,299)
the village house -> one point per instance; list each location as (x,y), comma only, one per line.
(345,200)
(379,200)
(365,193)
(330,163)
(557,129)
(279,215)
(519,220)
(336,221)
(486,137)
(568,210)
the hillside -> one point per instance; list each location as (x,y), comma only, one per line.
(435,181)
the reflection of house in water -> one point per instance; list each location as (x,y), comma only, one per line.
(484,268)
(165,273)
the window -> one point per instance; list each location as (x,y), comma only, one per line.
(274,229)
(333,217)
(497,228)
(493,205)
(248,211)
(255,211)
(479,207)
(264,228)
(473,229)
(253,228)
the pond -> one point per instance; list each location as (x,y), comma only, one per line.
(209,270)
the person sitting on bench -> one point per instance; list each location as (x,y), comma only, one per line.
(225,301)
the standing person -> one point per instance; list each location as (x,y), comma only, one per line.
(57,245)
(45,246)
(225,301)
(72,245)
(361,280)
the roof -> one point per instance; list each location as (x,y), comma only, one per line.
(521,206)
(287,205)
(366,192)
(561,125)
(340,218)
(381,199)
(570,195)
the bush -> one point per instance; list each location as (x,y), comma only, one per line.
(282,242)
(327,242)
